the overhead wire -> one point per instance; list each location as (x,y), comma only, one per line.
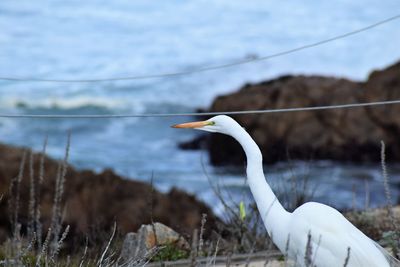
(238,112)
(206,68)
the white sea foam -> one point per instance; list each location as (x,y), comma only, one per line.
(67,103)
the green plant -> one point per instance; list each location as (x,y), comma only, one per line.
(170,253)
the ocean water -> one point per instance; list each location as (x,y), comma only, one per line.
(100,39)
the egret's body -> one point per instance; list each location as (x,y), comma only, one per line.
(331,234)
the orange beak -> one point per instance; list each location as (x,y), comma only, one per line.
(196,124)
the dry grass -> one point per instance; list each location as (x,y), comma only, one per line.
(34,249)
(241,234)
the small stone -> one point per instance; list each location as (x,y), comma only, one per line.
(138,245)
(131,248)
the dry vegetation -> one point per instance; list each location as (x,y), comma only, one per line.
(241,238)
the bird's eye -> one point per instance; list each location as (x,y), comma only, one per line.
(211,123)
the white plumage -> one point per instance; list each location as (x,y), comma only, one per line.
(328,233)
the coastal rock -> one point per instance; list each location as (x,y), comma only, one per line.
(138,245)
(97,200)
(337,134)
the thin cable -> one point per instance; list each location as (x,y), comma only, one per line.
(206,68)
(239,112)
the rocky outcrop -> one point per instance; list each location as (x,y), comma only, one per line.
(93,202)
(338,134)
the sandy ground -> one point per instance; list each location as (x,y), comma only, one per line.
(256,263)
(240,260)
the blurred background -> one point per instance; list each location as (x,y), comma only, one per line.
(109,39)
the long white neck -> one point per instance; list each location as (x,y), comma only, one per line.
(274,216)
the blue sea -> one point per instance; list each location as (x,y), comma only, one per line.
(107,39)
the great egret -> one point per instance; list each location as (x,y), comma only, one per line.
(313,228)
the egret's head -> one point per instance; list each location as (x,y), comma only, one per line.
(218,124)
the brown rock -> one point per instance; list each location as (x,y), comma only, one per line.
(160,234)
(337,134)
(95,201)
